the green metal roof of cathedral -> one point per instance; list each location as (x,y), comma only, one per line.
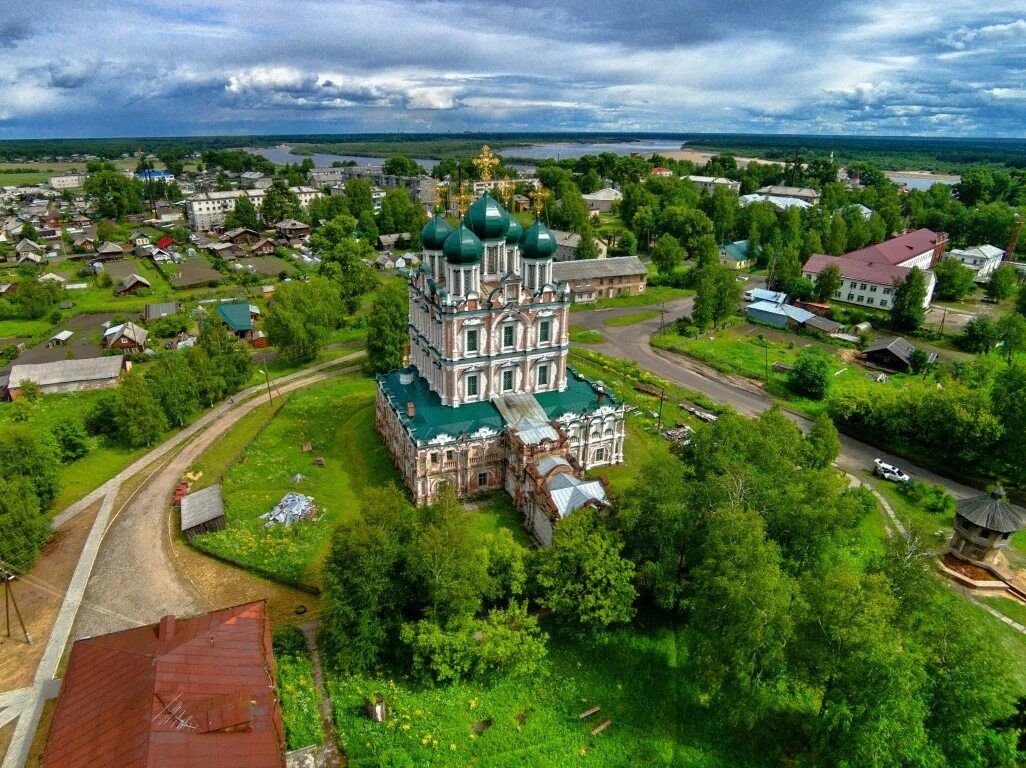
(434,233)
(515,231)
(431,418)
(538,242)
(462,247)
(487,219)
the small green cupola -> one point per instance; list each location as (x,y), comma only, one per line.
(538,242)
(435,232)
(462,247)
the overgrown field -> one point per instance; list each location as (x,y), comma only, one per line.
(337,419)
(638,676)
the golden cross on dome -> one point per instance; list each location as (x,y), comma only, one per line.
(505,189)
(463,199)
(439,197)
(486,163)
(538,198)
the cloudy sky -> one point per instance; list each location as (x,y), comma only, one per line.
(174,67)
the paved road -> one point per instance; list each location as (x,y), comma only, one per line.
(143,587)
(632,342)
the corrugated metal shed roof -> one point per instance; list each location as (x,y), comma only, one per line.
(589,269)
(236,316)
(68,371)
(568,493)
(202,507)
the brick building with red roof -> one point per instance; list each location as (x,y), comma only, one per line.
(870,274)
(188,693)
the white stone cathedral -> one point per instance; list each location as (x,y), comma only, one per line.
(487,401)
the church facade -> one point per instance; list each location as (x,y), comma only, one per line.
(488,401)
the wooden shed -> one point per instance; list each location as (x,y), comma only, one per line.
(202,512)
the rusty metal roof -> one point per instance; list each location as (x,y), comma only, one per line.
(183,693)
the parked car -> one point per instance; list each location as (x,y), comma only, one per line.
(889,472)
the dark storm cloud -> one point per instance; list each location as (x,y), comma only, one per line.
(194,66)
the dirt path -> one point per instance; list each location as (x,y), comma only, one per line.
(328,756)
(136,575)
(127,551)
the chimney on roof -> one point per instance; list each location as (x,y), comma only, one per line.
(166,630)
(411,410)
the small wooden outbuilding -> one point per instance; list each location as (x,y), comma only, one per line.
(202,511)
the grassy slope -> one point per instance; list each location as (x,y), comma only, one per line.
(652,296)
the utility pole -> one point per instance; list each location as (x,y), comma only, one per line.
(267,378)
(765,347)
(659,419)
(8,577)
(662,315)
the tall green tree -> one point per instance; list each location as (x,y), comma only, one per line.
(1002,283)
(387,333)
(583,577)
(364,584)
(173,384)
(1011,332)
(688,225)
(23,529)
(32,454)
(302,316)
(401,165)
(742,607)
(667,254)
(360,197)
(907,310)
(243,215)
(823,442)
(828,282)
(955,281)
(279,203)
(141,421)
(837,241)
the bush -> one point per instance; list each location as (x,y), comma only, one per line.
(102,417)
(289,640)
(71,440)
(810,374)
(932,498)
(170,326)
(505,642)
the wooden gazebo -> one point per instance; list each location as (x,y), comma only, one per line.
(984,525)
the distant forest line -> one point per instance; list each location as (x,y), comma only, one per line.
(941,155)
(894,153)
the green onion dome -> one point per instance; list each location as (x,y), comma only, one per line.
(538,242)
(515,231)
(462,247)
(487,219)
(434,233)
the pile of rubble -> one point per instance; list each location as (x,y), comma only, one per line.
(292,508)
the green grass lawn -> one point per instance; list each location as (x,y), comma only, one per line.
(585,336)
(652,295)
(300,702)
(337,418)
(102,462)
(738,351)
(1010,608)
(638,675)
(631,319)
(24,329)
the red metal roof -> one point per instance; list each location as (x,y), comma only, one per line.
(868,271)
(184,693)
(897,249)
(164,242)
